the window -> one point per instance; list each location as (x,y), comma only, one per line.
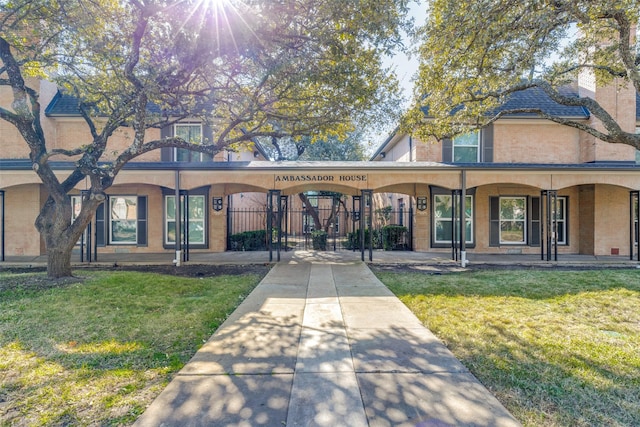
(196,219)
(466,148)
(513,219)
(123,219)
(76,206)
(191,133)
(561,220)
(443,219)
(472,147)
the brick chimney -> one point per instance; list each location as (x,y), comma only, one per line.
(619,99)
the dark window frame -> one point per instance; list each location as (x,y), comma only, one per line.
(201,191)
(439,191)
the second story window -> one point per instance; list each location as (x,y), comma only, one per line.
(192,133)
(472,147)
(466,148)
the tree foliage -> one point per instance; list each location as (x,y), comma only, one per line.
(475,54)
(332,147)
(306,68)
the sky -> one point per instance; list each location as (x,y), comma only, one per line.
(405,68)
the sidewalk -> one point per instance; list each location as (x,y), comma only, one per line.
(324,343)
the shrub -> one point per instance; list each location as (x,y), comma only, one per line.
(393,237)
(319,240)
(353,239)
(255,240)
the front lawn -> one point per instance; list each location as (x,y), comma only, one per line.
(97,351)
(557,348)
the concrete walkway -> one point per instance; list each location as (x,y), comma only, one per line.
(324,344)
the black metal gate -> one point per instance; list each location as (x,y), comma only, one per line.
(319,221)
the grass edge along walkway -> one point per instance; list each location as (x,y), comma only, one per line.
(557,348)
(97,351)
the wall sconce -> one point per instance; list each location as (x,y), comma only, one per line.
(217,204)
(421,203)
(383,154)
(255,154)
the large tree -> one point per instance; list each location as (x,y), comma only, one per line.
(313,67)
(475,54)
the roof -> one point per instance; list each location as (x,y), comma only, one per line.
(65,105)
(347,166)
(537,98)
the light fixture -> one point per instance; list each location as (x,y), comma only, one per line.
(383,154)
(217,204)
(421,203)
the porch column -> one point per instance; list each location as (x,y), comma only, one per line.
(549,229)
(273,201)
(366,220)
(634,219)
(463,219)
(2,225)
(178,259)
(218,227)
(421,227)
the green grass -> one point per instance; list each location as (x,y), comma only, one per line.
(557,348)
(97,351)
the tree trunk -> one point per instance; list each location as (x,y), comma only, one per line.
(311,211)
(59,262)
(60,235)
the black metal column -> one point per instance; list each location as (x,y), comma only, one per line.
(2,225)
(178,248)
(463,218)
(550,231)
(542,225)
(284,217)
(273,201)
(185,220)
(411,223)
(356,215)
(367,201)
(634,212)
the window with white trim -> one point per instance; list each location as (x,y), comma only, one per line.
(443,218)
(466,148)
(560,211)
(196,220)
(513,220)
(123,219)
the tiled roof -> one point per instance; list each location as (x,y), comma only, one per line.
(64,105)
(536,98)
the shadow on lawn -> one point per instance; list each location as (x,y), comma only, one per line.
(531,284)
(575,390)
